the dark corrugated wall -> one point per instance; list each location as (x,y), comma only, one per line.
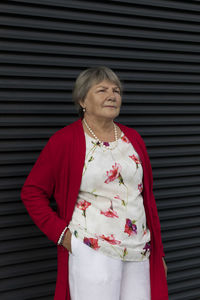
(154,46)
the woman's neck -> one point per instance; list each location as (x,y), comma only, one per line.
(100,126)
(103,129)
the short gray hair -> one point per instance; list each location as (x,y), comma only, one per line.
(87,79)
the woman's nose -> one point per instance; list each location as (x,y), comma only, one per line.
(111,95)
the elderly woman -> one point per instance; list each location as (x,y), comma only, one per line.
(106,221)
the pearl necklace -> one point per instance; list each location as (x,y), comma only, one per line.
(105,145)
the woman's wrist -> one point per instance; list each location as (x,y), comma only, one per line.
(62,236)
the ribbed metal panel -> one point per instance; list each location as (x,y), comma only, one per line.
(154,47)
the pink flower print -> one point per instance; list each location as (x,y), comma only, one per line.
(130,227)
(144,229)
(114,173)
(91,242)
(96,143)
(140,187)
(110,239)
(110,213)
(118,198)
(83,205)
(125,139)
(125,252)
(146,248)
(135,159)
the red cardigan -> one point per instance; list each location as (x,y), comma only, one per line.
(58,172)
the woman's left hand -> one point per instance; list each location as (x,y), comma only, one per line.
(67,241)
(165,266)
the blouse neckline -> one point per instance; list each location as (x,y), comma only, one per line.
(88,136)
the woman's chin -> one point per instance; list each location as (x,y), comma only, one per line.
(112,114)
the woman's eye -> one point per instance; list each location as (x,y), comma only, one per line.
(117,91)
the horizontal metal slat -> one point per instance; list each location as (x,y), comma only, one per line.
(28,268)
(174,151)
(11,184)
(37,122)
(182,212)
(171,140)
(60,25)
(78,62)
(181,98)
(8,134)
(35,255)
(186,295)
(39,108)
(168,130)
(181,254)
(36,291)
(37,96)
(180,192)
(25,244)
(19,232)
(19,220)
(185,5)
(117,5)
(180,223)
(179,266)
(47,36)
(185,285)
(12,171)
(178,202)
(124,31)
(43,298)
(6,197)
(177,173)
(183,162)
(192,273)
(106,9)
(180,234)
(159,120)
(15,158)
(177,177)
(28,281)
(14,208)
(187,244)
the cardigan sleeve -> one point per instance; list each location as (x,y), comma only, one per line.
(36,192)
(153,202)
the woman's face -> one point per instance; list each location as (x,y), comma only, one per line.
(103,100)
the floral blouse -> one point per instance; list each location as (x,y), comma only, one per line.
(109,214)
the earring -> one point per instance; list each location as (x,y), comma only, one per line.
(84,109)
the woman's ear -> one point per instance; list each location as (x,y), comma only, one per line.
(81,103)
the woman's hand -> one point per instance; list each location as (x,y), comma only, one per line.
(165,266)
(67,241)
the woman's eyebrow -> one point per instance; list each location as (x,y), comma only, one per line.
(102,86)
(105,87)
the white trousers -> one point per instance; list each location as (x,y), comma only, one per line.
(95,276)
